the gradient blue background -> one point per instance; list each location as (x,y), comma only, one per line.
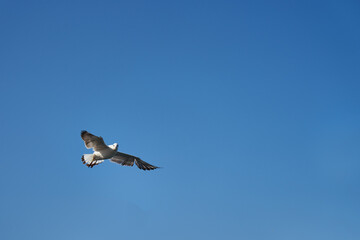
(251,108)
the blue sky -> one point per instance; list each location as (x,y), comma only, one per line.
(251,108)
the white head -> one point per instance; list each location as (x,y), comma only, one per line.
(114,146)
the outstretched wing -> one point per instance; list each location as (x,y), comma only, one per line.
(128,160)
(92,141)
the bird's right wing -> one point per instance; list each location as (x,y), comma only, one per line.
(128,160)
(92,141)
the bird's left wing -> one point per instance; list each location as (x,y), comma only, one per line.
(128,160)
(92,141)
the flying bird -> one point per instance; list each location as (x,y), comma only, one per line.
(103,152)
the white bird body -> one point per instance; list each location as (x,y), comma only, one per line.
(105,153)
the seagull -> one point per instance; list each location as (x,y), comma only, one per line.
(103,152)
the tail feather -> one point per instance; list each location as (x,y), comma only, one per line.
(88,159)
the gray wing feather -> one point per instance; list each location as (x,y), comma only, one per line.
(128,160)
(92,141)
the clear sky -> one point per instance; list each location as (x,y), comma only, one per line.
(251,108)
